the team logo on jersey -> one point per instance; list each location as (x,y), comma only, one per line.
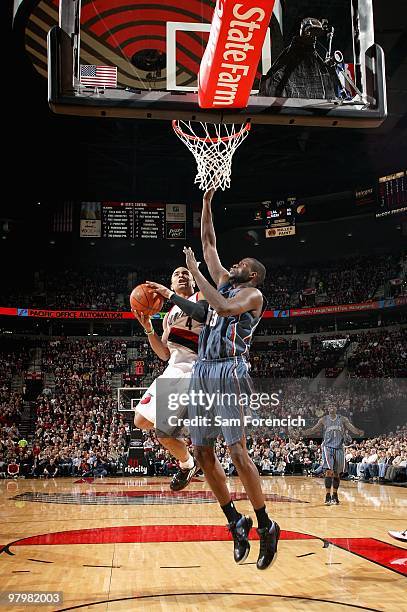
(146,399)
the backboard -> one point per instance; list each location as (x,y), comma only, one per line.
(129,397)
(157,48)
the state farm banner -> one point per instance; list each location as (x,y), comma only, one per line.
(232,55)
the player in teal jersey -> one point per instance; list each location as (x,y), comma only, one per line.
(334,429)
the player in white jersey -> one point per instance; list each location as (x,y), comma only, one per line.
(178,346)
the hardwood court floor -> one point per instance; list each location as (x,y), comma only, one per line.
(130,544)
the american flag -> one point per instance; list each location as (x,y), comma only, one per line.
(98,76)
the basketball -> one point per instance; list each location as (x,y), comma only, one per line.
(146,300)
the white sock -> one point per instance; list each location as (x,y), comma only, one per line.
(187,465)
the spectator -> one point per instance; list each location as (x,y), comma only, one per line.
(13,469)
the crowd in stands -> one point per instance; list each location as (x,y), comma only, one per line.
(79,432)
(354,279)
(379,459)
(14,357)
(342,281)
(286,358)
(283,286)
(98,289)
(380,354)
(382,459)
(78,429)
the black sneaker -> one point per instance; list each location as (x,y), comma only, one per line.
(328,499)
(182,478)
(334,499)
(269,537)
(240,533)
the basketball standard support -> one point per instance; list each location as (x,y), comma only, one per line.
(70,23)
(363,41)
(229,64)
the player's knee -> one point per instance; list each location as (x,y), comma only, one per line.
(205,455)
(166,442)
(141,422)
(238,454)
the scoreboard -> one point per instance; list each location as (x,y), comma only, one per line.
(117,220)
(392,194)
(133,220)
(280,218)
(149,221)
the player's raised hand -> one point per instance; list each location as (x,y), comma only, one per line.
(161,289)
(190,260)
(143,319)
(208,195)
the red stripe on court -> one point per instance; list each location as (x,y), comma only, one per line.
(145,534)
(382,553)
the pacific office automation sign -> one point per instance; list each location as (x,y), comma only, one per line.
(268,314)
(46,313)
(229,64)
(73,314)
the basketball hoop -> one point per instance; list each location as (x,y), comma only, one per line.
(213,146)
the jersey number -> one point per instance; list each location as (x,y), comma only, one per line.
(189,323)
(212,318)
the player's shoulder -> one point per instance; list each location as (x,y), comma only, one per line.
(224,285)
(253,291)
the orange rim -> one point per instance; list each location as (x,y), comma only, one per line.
(178,130)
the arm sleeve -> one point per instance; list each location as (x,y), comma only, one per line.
(197,310)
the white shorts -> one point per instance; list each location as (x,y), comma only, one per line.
(147,405)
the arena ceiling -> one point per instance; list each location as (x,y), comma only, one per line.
(92,158)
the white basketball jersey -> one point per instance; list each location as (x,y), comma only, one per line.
(183,336)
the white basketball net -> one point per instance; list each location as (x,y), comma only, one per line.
(213,146)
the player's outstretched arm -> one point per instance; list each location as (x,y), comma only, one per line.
(196,310)
(248,299)
(352,428)
(218,273)
(313,430)
(159,347)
